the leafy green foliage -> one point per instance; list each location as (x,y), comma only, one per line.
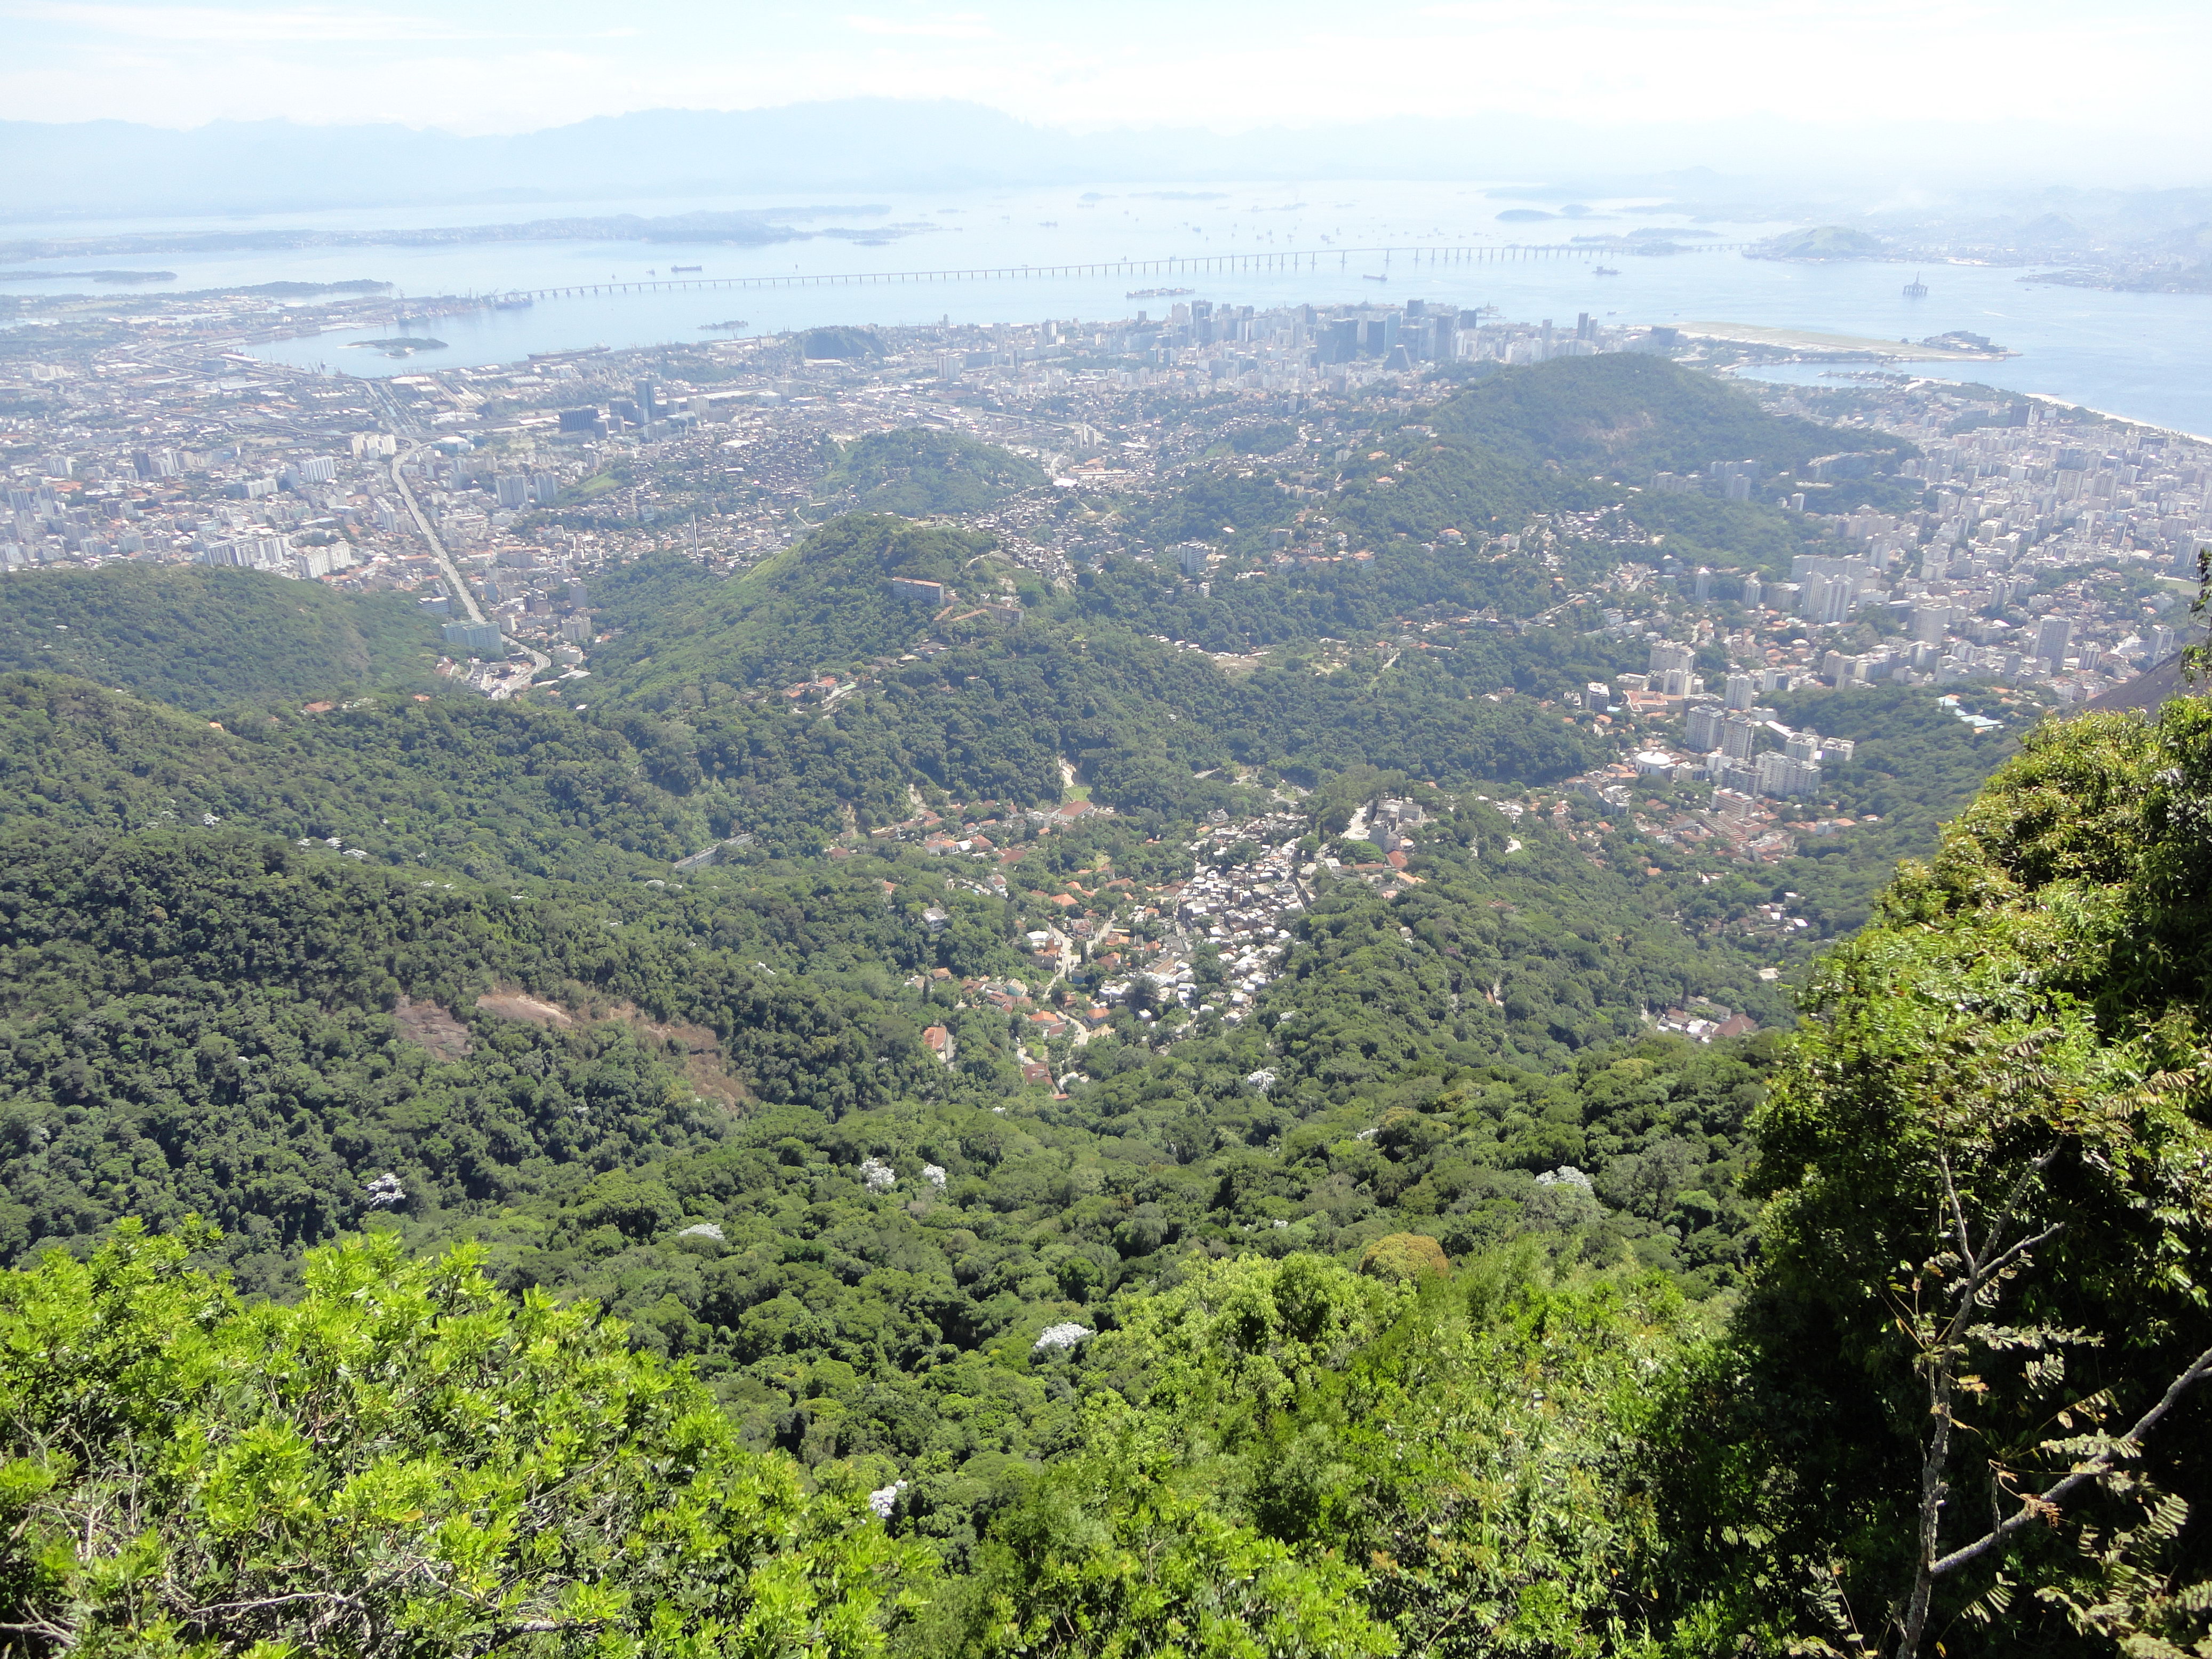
(205,1024)
(405,1461)
(1446,1463)
(1465,486)
(206,638)
(484,789)
(1104,1556)
(2014,1051)
(212,1022)
(633,595)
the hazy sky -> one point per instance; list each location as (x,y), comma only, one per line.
(2098,70)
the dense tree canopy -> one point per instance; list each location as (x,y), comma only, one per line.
(1987,1224)
(403,1461)
(919,472)
(204,637)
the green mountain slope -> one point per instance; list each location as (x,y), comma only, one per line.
(1631,414)
(461,785)
(673,1098)
(631,595)
(192,931)
(1013,693)
(206,638)
(919,471)
(829,600)
(204,1022)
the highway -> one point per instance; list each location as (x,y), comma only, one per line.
(454,584)
(404,430)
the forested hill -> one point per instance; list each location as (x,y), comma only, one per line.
(1516,961)
(830,600)
(981,679)
(1411,506)
(1005,698)
(919,471)
(1630,415)
(206,638)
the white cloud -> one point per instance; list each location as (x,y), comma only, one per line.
(226,24)
(952,26)
(239,26)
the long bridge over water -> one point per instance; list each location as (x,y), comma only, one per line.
(1204,264)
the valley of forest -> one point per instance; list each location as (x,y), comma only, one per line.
(922,1111)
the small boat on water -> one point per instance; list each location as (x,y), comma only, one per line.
(1605,271)
(678,269)
(1371,277)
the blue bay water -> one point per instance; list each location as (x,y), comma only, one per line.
(2148,357)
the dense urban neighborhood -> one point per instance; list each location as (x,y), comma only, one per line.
(1956,536)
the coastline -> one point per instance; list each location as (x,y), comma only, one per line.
(2052,399)
(2057,402)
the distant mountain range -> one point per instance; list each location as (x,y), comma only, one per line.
(263,165)
(100,168)
(858,143)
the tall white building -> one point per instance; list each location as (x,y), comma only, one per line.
(1781,774)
